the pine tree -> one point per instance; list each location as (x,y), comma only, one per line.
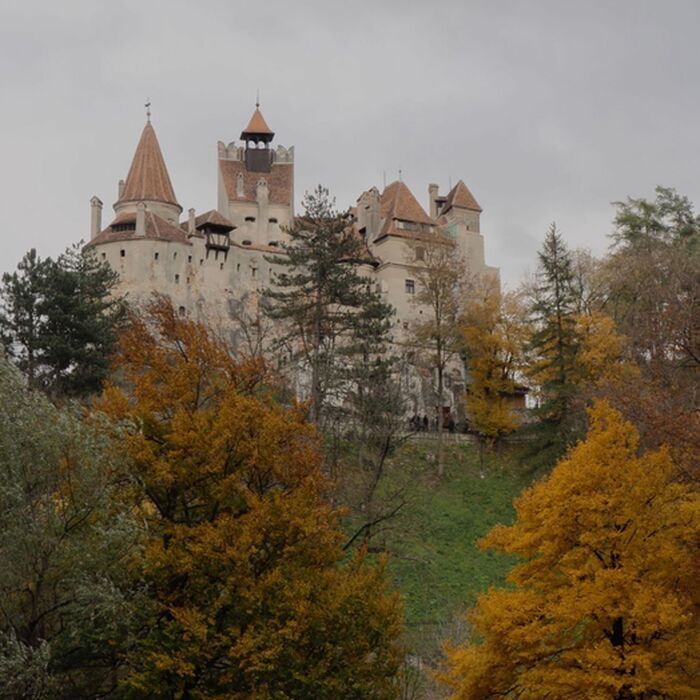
(59,320)
(554,346)
(331,313)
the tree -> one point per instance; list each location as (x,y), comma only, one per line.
(21,321)
(604,604)
(554,348)
(59,319)
(66,540)
(324,299)
(494,337)
(243,555)
(441,284)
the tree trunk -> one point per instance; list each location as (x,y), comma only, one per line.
(440,443)
(315,408)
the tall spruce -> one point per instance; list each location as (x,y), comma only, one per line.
(58,320)
(332,317)
(554,347)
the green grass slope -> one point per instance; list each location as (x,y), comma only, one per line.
(433,557)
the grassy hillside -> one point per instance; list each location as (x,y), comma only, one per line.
(434,560)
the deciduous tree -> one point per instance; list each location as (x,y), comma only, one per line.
(244,554)
(604,603)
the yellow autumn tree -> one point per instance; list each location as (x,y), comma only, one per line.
(494,336)
(604,603)
(243,556)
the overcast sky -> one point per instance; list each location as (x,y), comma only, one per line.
(547,110)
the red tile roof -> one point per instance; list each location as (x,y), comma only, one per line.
(257,125)
(280,181)
(157,229)
(148,177)
(461,198)
(399,204)
(213,218)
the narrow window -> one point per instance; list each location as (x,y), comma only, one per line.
(410,287)
(182,311)
(221,266)
(420,253)
(189,258)
(155,256)
(174,255)
(177,279)
(122,253)
(104,256)
(253,272)
(201,261)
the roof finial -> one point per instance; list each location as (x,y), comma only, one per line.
(148,109)
(257,99)
(400,175)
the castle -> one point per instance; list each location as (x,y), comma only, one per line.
(205,262)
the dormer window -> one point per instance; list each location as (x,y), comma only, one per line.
(406,225)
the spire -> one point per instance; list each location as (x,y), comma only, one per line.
(257,129)
(148,178)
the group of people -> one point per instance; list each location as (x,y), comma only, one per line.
(422,424)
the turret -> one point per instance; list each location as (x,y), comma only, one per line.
(95,216)
(258,136)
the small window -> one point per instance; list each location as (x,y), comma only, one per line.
(177,279)
(420,253)
(247,242)
(174,255)
(189,258)
(250,218)
(410,287)
(122,253)
(238,267)
(272,220)
(405,325)
(253,272)
(155,256)
(201,261)
(104,256)
(182,311)
(221,266)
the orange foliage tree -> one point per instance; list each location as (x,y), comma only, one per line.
(243,554)
(604,603)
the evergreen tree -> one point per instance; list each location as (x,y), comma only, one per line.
(332,315)
(554,347)
(21,318)
(58,320)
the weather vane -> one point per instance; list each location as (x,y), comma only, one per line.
(148,108)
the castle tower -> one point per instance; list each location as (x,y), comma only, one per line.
(256,185)
(148,181)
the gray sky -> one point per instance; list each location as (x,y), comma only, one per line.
(547,110)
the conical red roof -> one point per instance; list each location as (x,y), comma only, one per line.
(257,126)
(148,178)
(460,197)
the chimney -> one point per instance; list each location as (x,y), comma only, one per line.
(120,189)
(190,221)
(95,217)
(432,196)
(140,219)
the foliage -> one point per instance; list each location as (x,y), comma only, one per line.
(331,311)
(442,283)
(494,338)
(603,604)
(64,542)
(553,350)
(58,320)
(243,553)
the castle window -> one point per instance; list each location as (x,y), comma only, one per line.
(410,287)
(272,220)
(182,311)
(221,266)
(420,253)
(177,279)
(122,253)
(247,242)
(253,272)
(250,218)
(189,258)
(104,256)
(155,256)
(238,267)
(201,261)
(406,225)
(174,255)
